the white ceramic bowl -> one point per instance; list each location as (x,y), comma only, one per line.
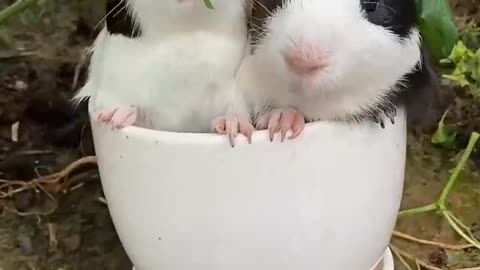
(325,201)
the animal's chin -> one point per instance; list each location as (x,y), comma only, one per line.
(305,83)
(305,88)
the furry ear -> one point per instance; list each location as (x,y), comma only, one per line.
(422,98)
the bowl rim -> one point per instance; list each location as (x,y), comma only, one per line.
(258,136)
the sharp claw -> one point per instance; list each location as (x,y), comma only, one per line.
(271,133)
(392,119)
(281,122)
(232,126)
(250,134)
(284,133)
(232,139)
(249,137)
(273,125)
(391,115)
(377,118)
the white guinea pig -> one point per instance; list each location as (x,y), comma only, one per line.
(332,60)
(170,65)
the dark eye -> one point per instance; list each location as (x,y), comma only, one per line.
(370,5)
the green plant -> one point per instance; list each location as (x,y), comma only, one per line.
(441,205)
(437,27)
(466,71)
(463,69)
(442,136)
(208,3)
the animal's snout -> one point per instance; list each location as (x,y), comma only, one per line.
(305,59)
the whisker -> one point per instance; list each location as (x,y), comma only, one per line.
(108,14)
(387,6)
(263,6)
(120,10)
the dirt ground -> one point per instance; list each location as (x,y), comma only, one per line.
(39,53)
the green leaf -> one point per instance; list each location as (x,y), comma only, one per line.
(460,53)
(208,3)
(459,79)
(437,27)
(442,137)
(466,68)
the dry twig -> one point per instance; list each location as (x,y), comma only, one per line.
(401,254)
(430,243)
(52,235)
(8,188)
(16,186)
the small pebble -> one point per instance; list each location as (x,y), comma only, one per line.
(20,85)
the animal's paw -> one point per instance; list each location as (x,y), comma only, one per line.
(119,117)
(231,125)
(389,113)
(282,121)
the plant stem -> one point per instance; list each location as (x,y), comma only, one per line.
(465,227)
(419,210)
(458,169)
(454,225)
(14,9)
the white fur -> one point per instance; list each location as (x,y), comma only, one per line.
(365,61)
(180,72)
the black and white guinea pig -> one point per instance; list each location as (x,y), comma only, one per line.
(335,60)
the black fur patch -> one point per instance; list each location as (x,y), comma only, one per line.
(421,95)
(400,16)
(119,21)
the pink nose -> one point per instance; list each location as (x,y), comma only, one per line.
(304,60)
